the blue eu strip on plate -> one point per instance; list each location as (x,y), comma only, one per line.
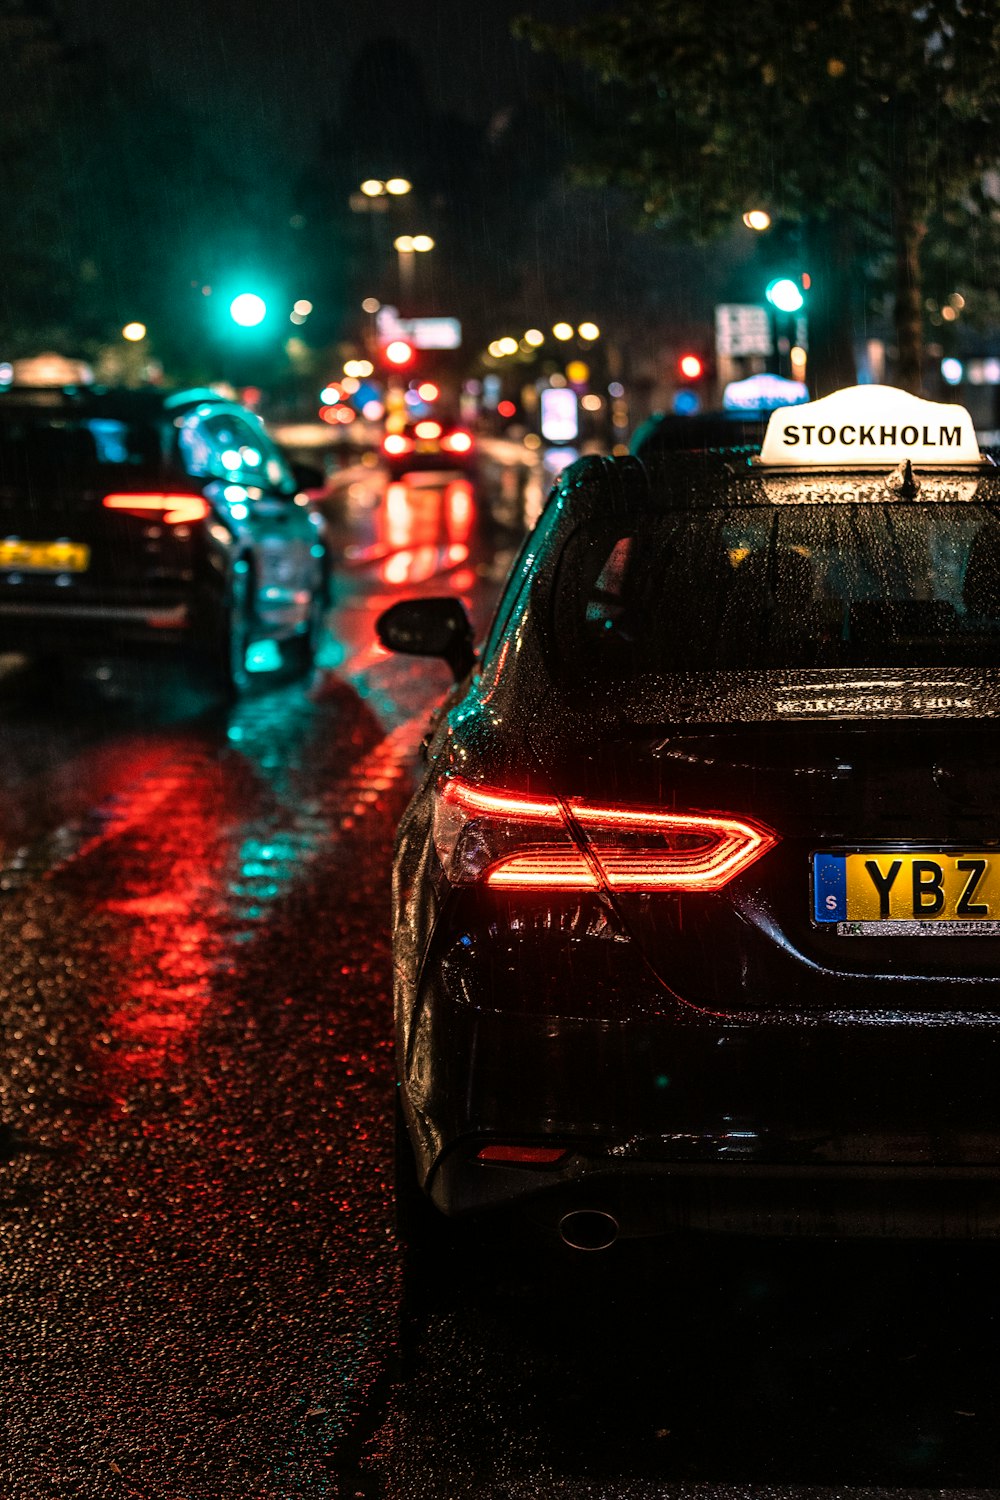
(830,887)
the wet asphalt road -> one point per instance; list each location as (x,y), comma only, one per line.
(201,1297)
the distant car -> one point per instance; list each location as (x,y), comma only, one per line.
(697,903)
(143,520)
(431,443)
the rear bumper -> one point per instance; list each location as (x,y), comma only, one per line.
(429,463)
(682,1120)
(644,1198)
(74,626)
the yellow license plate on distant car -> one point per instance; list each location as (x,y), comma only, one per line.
(913,892)
(430,446)
(44,557)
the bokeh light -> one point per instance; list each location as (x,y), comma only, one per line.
(248,310)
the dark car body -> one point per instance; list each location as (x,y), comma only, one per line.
(811,671)
(136,520)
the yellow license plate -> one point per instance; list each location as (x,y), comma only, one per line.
(429,446)
(44,557)
(913,887)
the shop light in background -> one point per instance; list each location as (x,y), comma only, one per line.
(560,420)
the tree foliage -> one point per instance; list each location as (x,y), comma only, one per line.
(116,206)
(870,124)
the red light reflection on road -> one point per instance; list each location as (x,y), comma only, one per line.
(417,565)
(459,511)
(399,518)
(167,949)
(416,516)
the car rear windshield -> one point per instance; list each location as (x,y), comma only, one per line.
(867,585)
(75,451)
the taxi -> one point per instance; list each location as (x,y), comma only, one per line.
(697,904)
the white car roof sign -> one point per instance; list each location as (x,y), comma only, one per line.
(866,426)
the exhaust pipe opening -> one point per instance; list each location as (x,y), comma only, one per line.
(588,1229)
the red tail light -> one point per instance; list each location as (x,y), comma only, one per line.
(457,442)
(514,841)
(395,444)
(175,510)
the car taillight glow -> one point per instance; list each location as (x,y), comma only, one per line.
(395,443)
(624,848)
(175,510)
(457,442)
(428,429)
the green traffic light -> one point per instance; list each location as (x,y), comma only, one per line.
(784,294)
(248,310)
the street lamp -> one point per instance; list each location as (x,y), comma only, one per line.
(406,246)
(757,218)
(396,187)
(563,331)
(134,332)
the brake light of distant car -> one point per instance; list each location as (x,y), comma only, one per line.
(515,841)
(174,510)
(457,441)
(395,443)
(428,429)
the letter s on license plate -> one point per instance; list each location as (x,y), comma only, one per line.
(908,892)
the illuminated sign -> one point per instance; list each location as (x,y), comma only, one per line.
(560,420)
(869,424)
(422,333)
(742,328)
(763,393)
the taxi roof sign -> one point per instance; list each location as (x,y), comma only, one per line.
(869,425)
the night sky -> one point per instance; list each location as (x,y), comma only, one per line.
(263,73)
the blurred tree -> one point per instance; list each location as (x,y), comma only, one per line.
(866,127)
(118,205)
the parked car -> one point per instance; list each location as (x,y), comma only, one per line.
(697,904)
(143,520)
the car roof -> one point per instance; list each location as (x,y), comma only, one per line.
(143,404)
(854,443)
(734,478)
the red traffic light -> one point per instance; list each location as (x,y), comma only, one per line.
(399,352)
(691,367)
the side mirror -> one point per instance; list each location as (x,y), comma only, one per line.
(430,627)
